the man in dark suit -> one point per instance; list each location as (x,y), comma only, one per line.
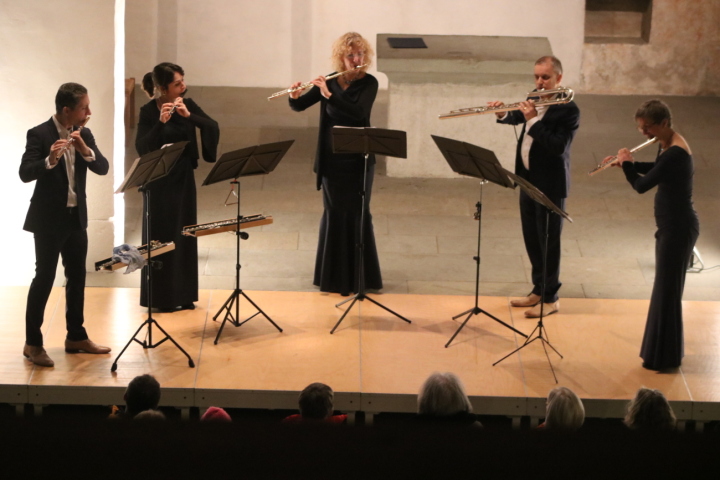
(543,158)
(58,155)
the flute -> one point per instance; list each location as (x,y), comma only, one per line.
(613,160)
(288,91)
(63,150)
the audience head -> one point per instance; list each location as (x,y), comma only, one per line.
(442,395)
(215,414)
(156,82)
(564,410)
(650,411)
(143,393)
(345,45)
(151,415)
(316,402)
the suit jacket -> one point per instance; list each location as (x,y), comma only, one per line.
(549,156)
(48,205)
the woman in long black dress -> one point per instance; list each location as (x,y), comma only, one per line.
(346,100)
(677,231)
(168,118)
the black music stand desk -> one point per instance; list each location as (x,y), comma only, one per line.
(143,172)
(367,140)
(256,160)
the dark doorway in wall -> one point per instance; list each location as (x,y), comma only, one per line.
(618,21)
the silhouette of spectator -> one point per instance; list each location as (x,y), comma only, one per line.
(442,400)
(564,410)
(650,411)
(316,405)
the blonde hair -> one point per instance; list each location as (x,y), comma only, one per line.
(564,410)
(345,44)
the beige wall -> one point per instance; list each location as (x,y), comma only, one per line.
(273,42)
(681,58)
(41,51)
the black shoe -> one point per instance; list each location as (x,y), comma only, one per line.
(189,306)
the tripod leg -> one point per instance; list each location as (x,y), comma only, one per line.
(227,305)
(259,311)
(500,321)
(516,350)
(462,314)
(168,337)
(460,328)
(114,365)
(384,307)
(552,369)
(354,299)
(344,302)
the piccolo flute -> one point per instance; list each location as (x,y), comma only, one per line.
(282,93)
(66,147)
(612,160)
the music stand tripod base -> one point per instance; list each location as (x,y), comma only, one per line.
(255,160)
(366,140)
(142,173)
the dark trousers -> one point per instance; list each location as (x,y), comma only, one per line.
(71,244)
(533,217)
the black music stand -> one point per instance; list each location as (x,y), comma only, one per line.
(257,160)
(473,161)
(550,207)
(143,172)
(367,140)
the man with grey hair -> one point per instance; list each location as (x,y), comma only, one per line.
(543,159)
(442,400)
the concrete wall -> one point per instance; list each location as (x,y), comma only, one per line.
(41,50)
(275,42)
(682,56)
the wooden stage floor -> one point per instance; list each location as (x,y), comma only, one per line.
(375,362)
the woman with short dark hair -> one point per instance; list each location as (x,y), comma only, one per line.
(677,230)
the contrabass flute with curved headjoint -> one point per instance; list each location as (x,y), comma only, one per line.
(67,146)
(288,91)
(612,160)
(560,95)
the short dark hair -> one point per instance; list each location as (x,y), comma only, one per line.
(69,95)
(656,111)
(316,401)
(143,393)
(552,60)
(162,75)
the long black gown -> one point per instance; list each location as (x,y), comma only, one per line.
(173,202)
(677,231)
(341,177)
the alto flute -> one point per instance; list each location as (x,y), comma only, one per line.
(288,91)
(563,95)
(612,160)
(66,147)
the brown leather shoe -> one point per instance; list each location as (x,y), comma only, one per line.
(38,356)
(548,309)
(529,301)
(84,346)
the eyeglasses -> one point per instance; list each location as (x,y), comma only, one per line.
(644,128)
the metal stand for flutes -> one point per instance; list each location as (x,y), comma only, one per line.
(148,341)
(234,298)
(360,295)
(477,310)
(540,328)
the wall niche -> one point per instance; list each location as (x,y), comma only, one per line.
(618,21)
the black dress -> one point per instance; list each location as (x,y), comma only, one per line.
(341,177)
(677,231)
(173,201)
